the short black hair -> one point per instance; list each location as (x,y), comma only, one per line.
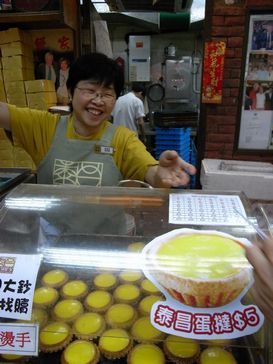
(96,67)
(139,87)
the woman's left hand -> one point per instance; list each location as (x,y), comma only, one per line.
(172,171)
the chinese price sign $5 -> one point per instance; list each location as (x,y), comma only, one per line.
(200,308)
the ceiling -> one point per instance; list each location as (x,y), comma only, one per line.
(154,15)
(149,5)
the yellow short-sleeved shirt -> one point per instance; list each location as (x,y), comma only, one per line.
(34,130)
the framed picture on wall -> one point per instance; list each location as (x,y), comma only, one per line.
(256,122)
(53,54)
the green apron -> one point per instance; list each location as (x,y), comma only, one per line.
(79,162)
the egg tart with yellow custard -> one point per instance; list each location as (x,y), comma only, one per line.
(199,269)
(146,353)
(181,350)
(217,355)
(115,343)
(80,352)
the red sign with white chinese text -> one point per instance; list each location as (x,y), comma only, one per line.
(213,68)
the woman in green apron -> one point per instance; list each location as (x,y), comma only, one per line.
(84,148)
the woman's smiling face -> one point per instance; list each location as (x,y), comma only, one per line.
(92,104)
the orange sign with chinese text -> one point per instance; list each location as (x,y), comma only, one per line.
(213,68)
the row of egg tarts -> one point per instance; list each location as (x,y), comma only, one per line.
(125,321)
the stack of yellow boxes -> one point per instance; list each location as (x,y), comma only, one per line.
(17,63)
(2,87)
(17,66)
(40,94)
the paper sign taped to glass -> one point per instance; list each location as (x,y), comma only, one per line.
(203,275)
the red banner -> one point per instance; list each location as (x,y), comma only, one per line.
(213,68)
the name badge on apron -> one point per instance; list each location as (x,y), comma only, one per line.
(100,149)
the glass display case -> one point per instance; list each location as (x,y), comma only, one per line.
(92,288)
(10,177)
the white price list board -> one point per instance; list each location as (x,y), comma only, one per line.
(199,209)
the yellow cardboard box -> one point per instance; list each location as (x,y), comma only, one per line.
(14,62)
(2,92)
(39,86)
(20,74)
(16,48)
(2,37)
(41,100)
(15,35)
(22,158)
(15,87)
(40,105)
(17,99)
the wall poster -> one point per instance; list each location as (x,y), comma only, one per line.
(53,54)
(256,125)
(213,68)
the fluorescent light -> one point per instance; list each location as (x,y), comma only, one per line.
(101,6)
(197,10)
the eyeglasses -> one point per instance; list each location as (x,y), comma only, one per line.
(90,94)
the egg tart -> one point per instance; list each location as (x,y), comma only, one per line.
(216,355)
(201,269)
(14,358)
(120,315)
(115,343)
(45,297)
(67,310)
(147,287)
(130,276)
(54,337)
(181,350)
(54,278)
(98,301)
(145,305)
(80,352)
(127,293)
(144,332)
(146,354)
(88,326)
(105,281)
(75,289)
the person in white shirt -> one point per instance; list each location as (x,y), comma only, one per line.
(62,92)
(260,96)
(129,110)
(262,72)
(48,70)
(270,73)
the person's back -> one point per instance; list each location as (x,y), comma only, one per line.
(127,110)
